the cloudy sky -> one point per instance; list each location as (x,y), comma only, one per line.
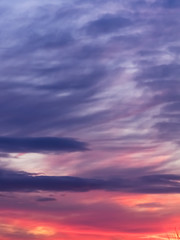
(89,119)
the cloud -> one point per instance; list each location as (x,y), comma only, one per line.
(55,81)
(46,199)
(41,144)
(150,205)
(106,72)
(4,155)
(163,81)
(12,181)
(161,72)
(171,4)
(55,86)
(61,79)
(169,130)
(108,23)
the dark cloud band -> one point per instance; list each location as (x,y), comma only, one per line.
(25,182)
(40,144)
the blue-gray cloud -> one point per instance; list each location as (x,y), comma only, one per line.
(46,199)
(163,81)
(75,71)
(171,4)
(25,182)
(40,144)
(106,24)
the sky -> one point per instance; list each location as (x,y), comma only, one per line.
(89,119)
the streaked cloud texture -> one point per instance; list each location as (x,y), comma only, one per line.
(90,119)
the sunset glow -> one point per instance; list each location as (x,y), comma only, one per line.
(89,120)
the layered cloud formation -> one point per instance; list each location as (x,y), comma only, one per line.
(90,120)
(21,181)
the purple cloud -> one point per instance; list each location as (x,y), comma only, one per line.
(41,144)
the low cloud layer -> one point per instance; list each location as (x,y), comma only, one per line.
(25,182)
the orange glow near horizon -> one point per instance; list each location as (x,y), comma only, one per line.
(123,217)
